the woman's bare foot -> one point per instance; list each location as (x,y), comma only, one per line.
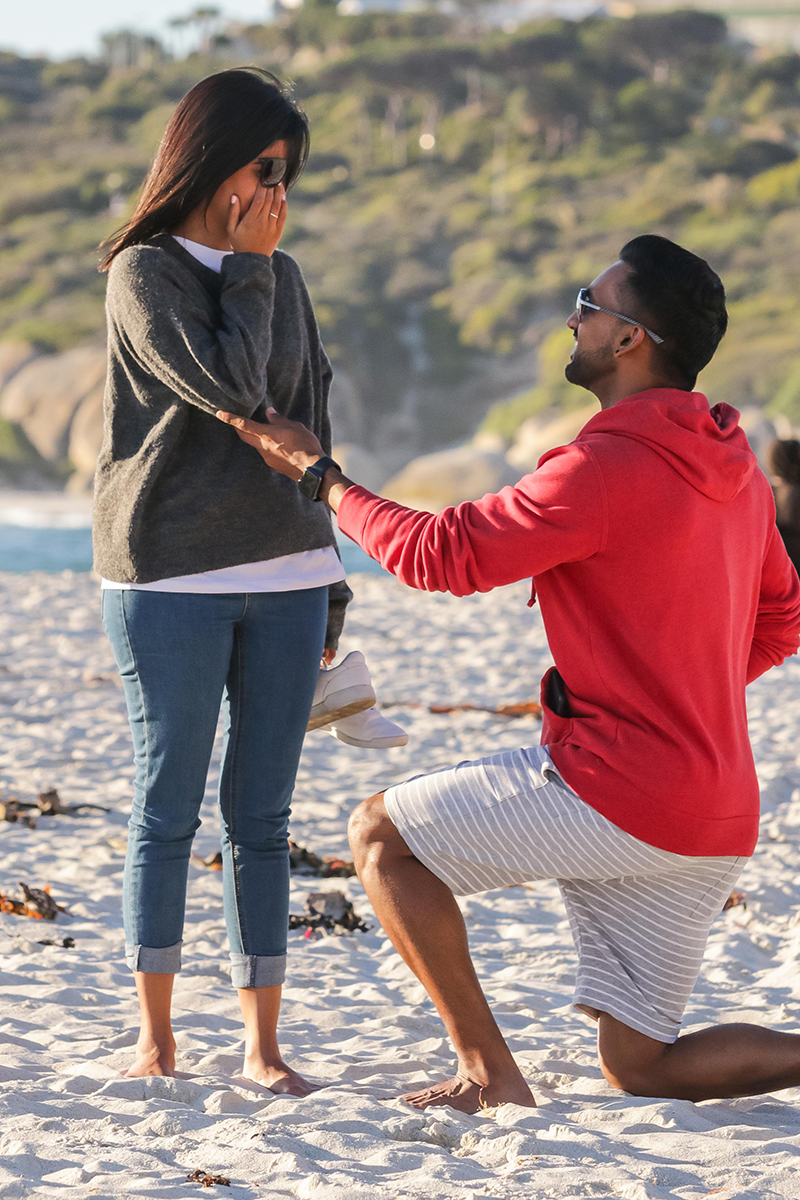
(276,1076)
(462,1093)
(152,1060)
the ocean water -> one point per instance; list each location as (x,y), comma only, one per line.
(51,532)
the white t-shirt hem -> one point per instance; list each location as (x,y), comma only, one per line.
(288,573)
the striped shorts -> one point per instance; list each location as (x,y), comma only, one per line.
(639,916)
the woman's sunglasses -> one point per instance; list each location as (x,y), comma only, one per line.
(273,171)
(583,302)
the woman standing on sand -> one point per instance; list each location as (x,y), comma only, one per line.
(220,581)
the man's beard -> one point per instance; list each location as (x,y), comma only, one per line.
(587,368)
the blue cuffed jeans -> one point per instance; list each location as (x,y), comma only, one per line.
(180,657)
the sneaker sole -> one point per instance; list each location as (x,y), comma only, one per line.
(349,702)
(376,744)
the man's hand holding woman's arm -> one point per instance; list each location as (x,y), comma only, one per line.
(555,515)
(289,448)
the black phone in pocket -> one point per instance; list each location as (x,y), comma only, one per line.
(556,697)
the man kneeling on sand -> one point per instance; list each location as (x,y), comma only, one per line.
(665,589)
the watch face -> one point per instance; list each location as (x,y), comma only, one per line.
(309,484)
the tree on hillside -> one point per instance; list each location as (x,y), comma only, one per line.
(125,48)
(659,44)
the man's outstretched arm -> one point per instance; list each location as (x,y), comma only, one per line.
(553,516)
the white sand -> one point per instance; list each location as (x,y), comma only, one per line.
(353,1016)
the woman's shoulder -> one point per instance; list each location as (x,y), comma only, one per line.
(285,266)
(289,279)
(142,269)
(145,259)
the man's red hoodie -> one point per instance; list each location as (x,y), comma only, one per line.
(665,588)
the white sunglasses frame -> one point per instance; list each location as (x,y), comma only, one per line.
(583,303)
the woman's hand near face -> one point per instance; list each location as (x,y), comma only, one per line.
(261,227)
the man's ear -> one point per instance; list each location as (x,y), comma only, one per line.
(630,340)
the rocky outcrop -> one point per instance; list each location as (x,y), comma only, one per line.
(359,465)
(45,394)
(53,408)
(548,429)
(56,402)
(85,440)
(435,481)
(14,356)
(20,464)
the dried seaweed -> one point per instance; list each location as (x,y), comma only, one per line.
(10,810)
(211,862)
(328,912)
(735,900)
(206,1180)
(35,902)
(528,708)
(306,862)
(48,804)
(66,943)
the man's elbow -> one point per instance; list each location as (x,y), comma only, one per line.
(791,643)
(431,580)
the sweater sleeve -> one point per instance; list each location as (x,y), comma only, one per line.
(339,596)
(166,325)
(777,629)
(555,515)
(326,375)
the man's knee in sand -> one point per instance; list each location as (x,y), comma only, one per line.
(630,1060)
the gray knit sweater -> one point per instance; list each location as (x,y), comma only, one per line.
(176,491)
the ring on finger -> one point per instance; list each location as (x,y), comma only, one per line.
(272,214)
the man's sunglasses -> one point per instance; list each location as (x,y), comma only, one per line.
(273,171)
(582,303)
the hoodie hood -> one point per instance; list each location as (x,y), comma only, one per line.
(706,446)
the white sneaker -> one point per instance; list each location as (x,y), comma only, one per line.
(342,691)
(369,730)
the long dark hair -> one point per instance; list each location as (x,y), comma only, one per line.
(220,126)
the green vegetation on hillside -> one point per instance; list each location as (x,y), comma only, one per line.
(547,149)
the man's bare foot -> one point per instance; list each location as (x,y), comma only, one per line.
(462,1093)
(277,1077)
(152,1060)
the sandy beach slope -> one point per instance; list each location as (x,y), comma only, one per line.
(353,1017)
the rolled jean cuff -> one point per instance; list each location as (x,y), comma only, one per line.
(257,970)
(164,961)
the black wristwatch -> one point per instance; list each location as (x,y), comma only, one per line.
(311,480)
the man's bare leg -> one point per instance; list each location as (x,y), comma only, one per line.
(421,918)
(715,1063)
(155,1049)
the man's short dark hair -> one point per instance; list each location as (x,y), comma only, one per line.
(683,301)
